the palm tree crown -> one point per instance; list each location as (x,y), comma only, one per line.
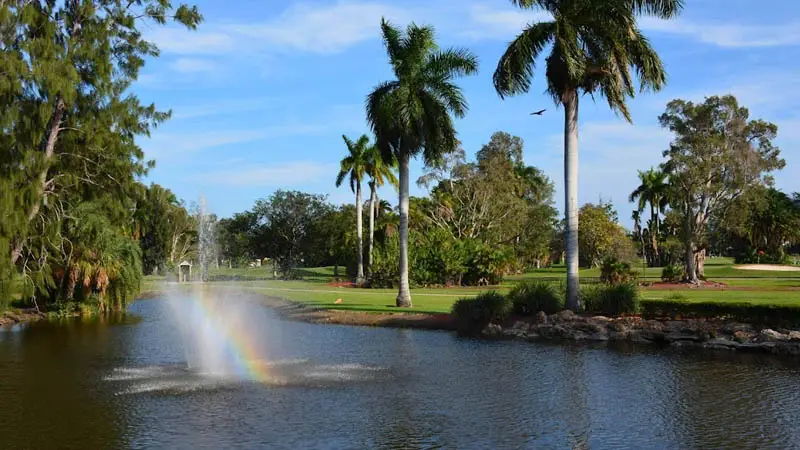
(379,170)
(356,163)
(413,112)
(595,44)
(652,190)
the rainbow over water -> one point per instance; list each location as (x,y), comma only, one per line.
(218,337)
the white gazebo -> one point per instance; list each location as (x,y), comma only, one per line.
(184,271)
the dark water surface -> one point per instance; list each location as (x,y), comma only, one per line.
(124,385)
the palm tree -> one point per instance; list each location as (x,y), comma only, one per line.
(594,44)
(355,166)
(652,191)
(413,113)
(380,172)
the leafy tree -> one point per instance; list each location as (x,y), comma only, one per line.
(153,213)
(237,239)
(412,113)
(69,127)
(717,155)
(594,44)
(289,219)
(601,237)
(68,67)
(765,220)
(355,166)
(380,172)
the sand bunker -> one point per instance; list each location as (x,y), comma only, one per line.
(771,267)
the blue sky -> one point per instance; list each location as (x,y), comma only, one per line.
(262,92)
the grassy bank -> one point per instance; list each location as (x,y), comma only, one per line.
(316,290)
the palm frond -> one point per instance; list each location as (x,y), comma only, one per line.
(664,9)
(645,60)
(392,43)
(516,67)
(451,62)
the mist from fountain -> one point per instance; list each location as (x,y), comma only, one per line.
(219,332)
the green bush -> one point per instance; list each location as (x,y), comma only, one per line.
(530,297)
(614,271)
(473,314)
(436,259)
(773,315)
(590,298)
(672,273)
(614,299)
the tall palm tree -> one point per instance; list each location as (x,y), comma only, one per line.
(412,114)
(594,44)
(380,172)
(653,192)
(354,165)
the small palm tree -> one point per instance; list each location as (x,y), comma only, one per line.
(354,165)
(652,191)
(412,114)
(594,44)
(380,172)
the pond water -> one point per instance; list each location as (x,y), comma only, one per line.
(124,384)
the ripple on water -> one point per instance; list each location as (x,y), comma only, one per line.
(173,379)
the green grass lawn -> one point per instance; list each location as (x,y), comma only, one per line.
(756,287)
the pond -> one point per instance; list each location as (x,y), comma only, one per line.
(124,384)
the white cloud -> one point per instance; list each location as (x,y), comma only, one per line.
(204,41)
(730,35)
(221,108)
(486,22)
(273,175)
(327,29)
(162,144)
(335,120)
(193,65)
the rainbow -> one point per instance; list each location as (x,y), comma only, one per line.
(219,326)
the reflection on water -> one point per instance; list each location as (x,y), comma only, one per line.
(124,384)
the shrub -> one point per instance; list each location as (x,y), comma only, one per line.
(473,314)
(614,271)
(678,306)
(672,273)
(590,297)
(530,297)
(614,299)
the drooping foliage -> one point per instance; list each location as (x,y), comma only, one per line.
(69,125)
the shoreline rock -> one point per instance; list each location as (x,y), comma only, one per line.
(13,317)
(707,334)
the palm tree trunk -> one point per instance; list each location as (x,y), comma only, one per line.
(571,197)
(404,295)
(691,268)
(371,224)
(360,235)
(654,237)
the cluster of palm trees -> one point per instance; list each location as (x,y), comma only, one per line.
(652,192)
(593,45)
(363,161)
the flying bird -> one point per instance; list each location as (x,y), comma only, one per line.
(538,113)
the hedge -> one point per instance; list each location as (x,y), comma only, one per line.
(742,312)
